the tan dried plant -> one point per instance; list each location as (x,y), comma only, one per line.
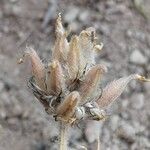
(69,87)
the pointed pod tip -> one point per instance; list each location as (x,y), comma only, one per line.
(29,51)
(59,27)
(142,78)
(20,60)
(90,29)
(102,68)
(59,16)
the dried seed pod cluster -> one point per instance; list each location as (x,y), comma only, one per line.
(69,87)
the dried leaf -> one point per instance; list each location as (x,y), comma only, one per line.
(90,83)
(114,89)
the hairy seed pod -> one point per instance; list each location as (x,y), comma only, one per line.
(114,89)
(55,78)
(38,69)
(69,87)
(61,46)
(73,58)
(67,108)
(60,49)
(87,43)
(91,82)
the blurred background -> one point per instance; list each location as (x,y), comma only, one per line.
(124,28)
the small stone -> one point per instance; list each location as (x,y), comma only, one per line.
(138,58)
(39,146)
(129,33)
(105,29)
(14,123)
(114,122)
(125,115)
(115,147)
(71,14)
(126,132)
(143,6)
(137,101)
(74,26)
(84,15)
(17,111)
(146,142)
(75,134)
(106,135)
(26,113)
(5,99)
(138,34)
(125,103)
(3,114)
(139,128)
(92,131)
(147,87)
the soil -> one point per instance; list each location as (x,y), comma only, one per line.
(125,33)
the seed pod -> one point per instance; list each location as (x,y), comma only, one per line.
(38,69)
(87,43)
(61,44)
(60,49)
(73,58)
(114,89)
(90,83)
(55,78)
(67,108)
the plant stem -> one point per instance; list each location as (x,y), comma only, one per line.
(63,136)
(98,143)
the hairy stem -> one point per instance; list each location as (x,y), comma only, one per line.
(63,136)
(98,143)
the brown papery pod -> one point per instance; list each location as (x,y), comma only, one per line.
(114,89)
(61,44)
(90,83)
(67,108)
(73,60)
(87,43)
(55,78)
(38,69)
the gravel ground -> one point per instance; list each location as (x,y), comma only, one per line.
(123,27)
